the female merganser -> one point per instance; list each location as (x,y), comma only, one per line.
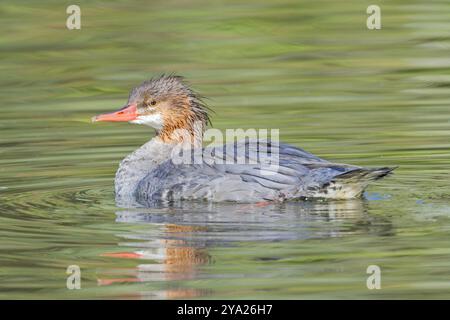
(179,116)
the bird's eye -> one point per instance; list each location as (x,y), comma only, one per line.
(153,102)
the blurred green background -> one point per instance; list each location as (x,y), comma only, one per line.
(310,68)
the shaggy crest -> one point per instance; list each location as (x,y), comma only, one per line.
(182,108)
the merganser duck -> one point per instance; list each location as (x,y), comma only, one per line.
(149,174)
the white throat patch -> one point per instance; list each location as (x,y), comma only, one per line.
(153,120)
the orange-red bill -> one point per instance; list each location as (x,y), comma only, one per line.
(127,113)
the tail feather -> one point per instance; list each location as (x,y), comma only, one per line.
(364,174)
(352,184)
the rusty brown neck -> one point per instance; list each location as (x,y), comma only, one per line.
(190,134)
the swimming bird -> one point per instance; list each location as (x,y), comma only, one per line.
(251,170)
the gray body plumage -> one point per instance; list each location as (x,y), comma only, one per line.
(150,174)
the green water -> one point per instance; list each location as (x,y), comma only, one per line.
(310,68)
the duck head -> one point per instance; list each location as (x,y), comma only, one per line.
(167,104)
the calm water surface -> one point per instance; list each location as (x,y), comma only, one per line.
(311,69)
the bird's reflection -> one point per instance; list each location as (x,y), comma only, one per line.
(175,244)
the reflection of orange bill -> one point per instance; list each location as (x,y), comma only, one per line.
(123,255)
(107,282)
